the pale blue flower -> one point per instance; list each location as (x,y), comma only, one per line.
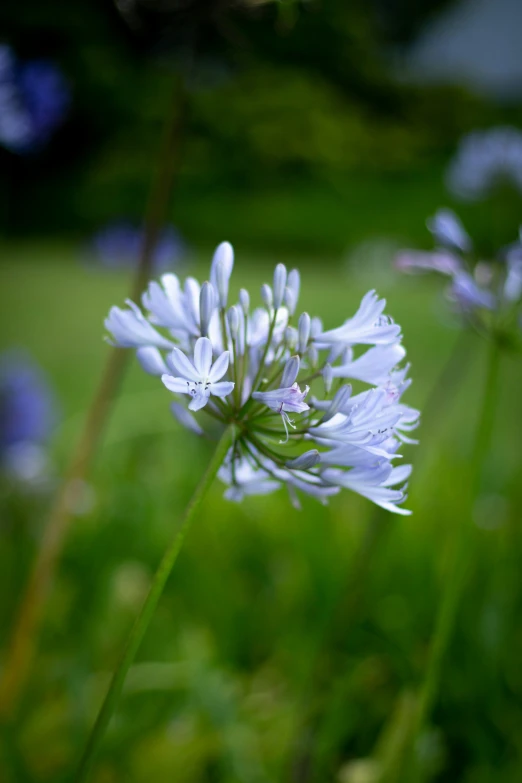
(120,245)
(185,418)
(484,160)
(469,295)
(151,360)
(28,415)
(375,483)
(373,366)
(130,329)
(434,261)
(200,379)
(245,479)
(246,370)
(513,283)
(284,401)
(368,326)
(448,231)
(476,288)
(221,270)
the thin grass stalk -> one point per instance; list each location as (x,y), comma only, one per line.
(343,614)
(462,551)
(142,622)
(302,767)
(405,766)
(23,641)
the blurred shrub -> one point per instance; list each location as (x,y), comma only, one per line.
(281,96)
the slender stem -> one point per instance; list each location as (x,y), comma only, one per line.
(24,636)
(455,583)
(304,764)
(318,683)
(261,367)
(462,550)
(142,621)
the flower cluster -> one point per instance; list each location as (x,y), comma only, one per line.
(253,368)
(484,160)
(34,99)
(119,246)
(478,288)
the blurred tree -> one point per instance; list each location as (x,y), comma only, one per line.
(308,89)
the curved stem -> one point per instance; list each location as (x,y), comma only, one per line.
(304,763)
(142,621)
(24,636)
(248,404)
(460,561)
(461,553)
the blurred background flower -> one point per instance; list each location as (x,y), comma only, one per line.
(486,160)
(34,99)
(28,416)
(119,246)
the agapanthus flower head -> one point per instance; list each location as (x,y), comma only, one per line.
(119,245)
(477,288)
(484,160)
(281,380)
(28,414)
(34,99)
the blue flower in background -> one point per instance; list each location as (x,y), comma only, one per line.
(28,414)
(475,287)
(484,160)
(119,246)
(34,99)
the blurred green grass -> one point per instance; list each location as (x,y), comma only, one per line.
(247,616)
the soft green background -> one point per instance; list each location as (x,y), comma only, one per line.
(288,644)
(271,612)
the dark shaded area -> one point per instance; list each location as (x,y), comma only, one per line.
(281,97)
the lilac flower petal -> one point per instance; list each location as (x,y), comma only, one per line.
(219,367)
(178,385)
(222,389)
(151,360)
(448,231)
(185,418)
(203,356)
(199,400)
(437,261)
(182,366)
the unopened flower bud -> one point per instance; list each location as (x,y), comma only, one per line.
(244,300)
(233,321)
(221,269)
(316,327)
(305,461)
(289,300)
(313,355)
(303,328)
(151,360)
(340,399)
(266,296)
(294,284)
(290,372)
(185,418)
(291,337)
(207,300)
(279,285)
(328,378)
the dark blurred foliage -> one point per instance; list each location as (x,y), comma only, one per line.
(278,93)
(402,19)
